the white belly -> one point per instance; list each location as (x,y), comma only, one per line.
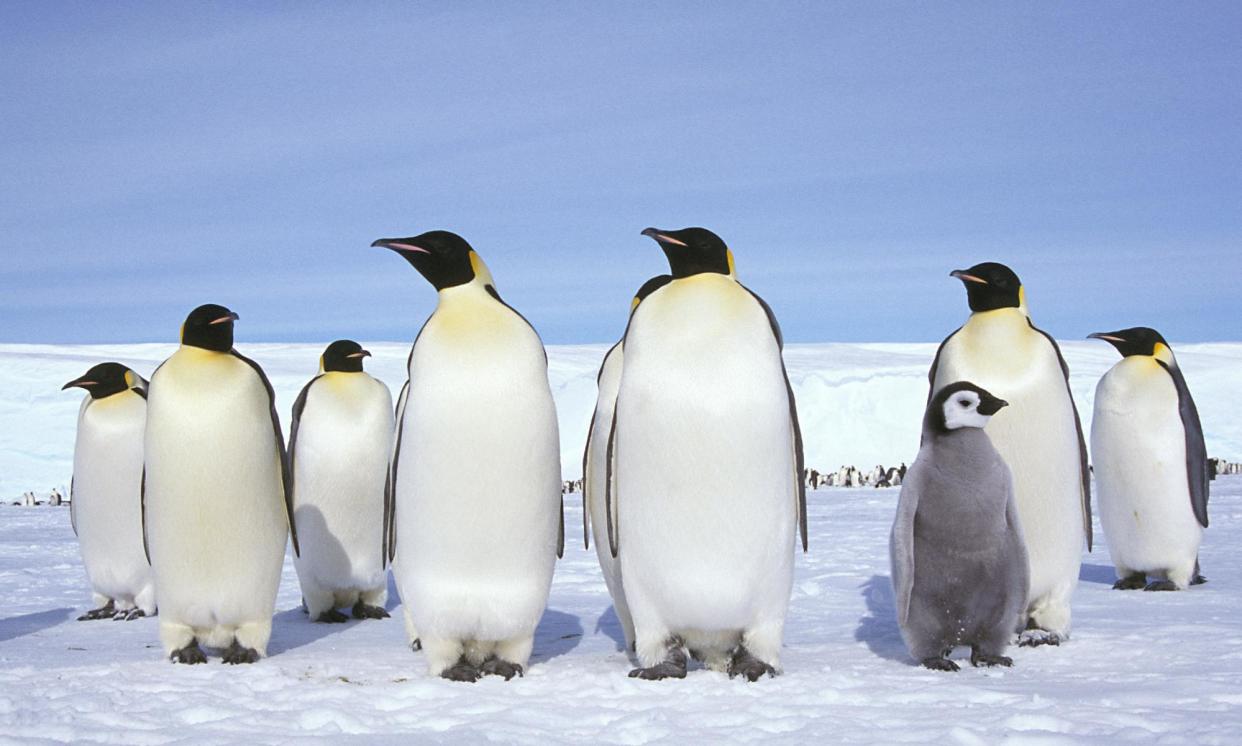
(704,460)
(340,467)
(1035,435)
(1139,451)
(107,475)
(216,522)
(478,481)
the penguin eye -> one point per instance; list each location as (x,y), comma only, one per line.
(964,402)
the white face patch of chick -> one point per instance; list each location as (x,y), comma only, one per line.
(962,410)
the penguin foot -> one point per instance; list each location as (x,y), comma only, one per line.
(367,611)
(417,645)
(190,654)
(1033,638)
(1198,579)
(129,616)
(237,654)
(107,611)
(748,666)
(496,667)
(983,659)
(1131,582)
(1161,585)
(462,670)
(938,663)
(672,668)
(332,616)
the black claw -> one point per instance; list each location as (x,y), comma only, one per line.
(1161,585)
(417,645)
(940,664)
(237,654)
(1049,638)
(1198,579)
(982,659)
(367,611)
(747,665)
(332,616)
(462,671)
(190,654)
(107,611)
(496,667)
(1131,582)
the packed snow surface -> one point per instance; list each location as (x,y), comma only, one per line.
(1140,667)
(859,404)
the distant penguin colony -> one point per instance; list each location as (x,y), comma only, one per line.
(693,480)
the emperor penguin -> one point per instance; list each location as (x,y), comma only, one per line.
(476,486)
(1151,465)
(340,441)
(1039,435)
(217,495)
(105,506)
(960,572)
(595,468)
(706,469)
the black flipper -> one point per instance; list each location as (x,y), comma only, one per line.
(560,532)
(1084,470)
(609,497)
(286,480)
(1197,473)
(298,405)
(142,497)
(73,509)
(799,457)
(586,480)
(390,484)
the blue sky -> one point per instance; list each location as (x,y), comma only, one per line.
(157,156)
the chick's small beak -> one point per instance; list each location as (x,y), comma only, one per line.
(965,276)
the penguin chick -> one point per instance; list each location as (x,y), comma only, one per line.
(959,564)
(105,505)
(1151,466)
(476,484)
(340,441)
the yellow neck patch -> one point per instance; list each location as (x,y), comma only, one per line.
(732,269)
(129,378)
(1162,353)
(481,272)
(321,363)
(1022,299)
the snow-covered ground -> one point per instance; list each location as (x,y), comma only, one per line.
(1141,667)
(859,404)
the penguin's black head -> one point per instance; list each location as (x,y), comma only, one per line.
(444,258)
(990,286)
(649,287)
(1138,340)
(693,251)
(344,355)
(210,327)
(104,380)
(961,404)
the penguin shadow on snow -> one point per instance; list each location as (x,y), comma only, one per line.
(557,634)
(293,628)
(1103,574)
(27,624)
(610,625)
(878,630)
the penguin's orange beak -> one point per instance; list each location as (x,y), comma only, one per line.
(230,316)
(662,238)
(396,245)
(79,382)
(359,353)
(965,276)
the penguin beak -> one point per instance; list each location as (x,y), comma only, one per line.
(359,353)
(658,236)
(1106,336)
(991,405)
(231,316)
(80,383)
(396,245)
(965,276)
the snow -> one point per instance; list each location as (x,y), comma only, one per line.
(860,404)
(1149,667)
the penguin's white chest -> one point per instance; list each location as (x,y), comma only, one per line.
(340,468)
(704,457)
(478,473)
(107,474)
(1138,448)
